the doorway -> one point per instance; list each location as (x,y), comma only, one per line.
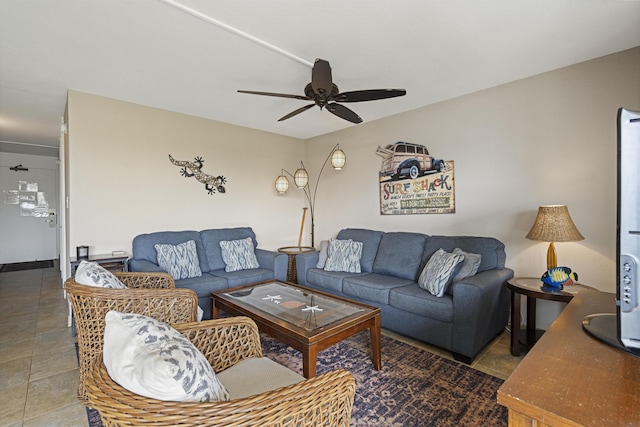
(28,209)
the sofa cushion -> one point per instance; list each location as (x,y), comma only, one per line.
(344,255)
(372,287)
(370,240)
(204,285)
(491,250)
(180,261)
(143,245)
(150,358)
(211,241)
(244,277)
(400,254)
(238,255)
(439,272)
(415,300)
(93,274)
(469,266)
(329,280)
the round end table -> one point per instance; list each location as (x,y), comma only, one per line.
(292,251)
(531,288)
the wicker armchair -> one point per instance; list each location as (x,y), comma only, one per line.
(151,294)
(325,400)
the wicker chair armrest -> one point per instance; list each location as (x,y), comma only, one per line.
(224,342)
(90,304)
(325,400)
(146,280)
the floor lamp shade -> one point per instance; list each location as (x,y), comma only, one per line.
(338,159)
(554,224)
(301,177)
(282,184)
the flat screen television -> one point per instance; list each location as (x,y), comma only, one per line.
(622,328)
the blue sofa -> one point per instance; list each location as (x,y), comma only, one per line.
(273,265)
(469,315)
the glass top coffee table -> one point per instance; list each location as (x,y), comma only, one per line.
(305,319)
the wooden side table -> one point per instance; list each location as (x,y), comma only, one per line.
(531,288)
(292,251)
(110,262)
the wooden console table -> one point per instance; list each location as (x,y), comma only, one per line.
(571,379)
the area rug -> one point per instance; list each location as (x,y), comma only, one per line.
(413,388)
(31,265)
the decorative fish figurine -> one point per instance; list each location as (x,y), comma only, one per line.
(557,278)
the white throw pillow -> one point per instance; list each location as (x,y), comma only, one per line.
(322,258)
(439,271)
(93,274)
(344,255)
(150,358)
(469,266)
(238,255)
(180,261)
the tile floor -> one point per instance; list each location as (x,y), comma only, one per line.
(38,365)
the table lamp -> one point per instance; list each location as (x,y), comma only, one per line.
(554,224)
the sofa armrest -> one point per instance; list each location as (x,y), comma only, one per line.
(273,261)
(137,264)
(480,309)
(304,262)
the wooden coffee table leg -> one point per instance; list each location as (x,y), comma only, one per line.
(309,357)
(375,343)
(215,312)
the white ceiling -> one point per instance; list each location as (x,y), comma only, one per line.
(153,52)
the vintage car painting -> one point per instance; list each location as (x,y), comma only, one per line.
(407,160)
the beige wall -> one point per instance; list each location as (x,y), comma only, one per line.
(121,182)
(547,139)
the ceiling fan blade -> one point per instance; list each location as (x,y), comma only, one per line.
(368,95)
(343,112)
(280,95)
(321,80)
(296,112)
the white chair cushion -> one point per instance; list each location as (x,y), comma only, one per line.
(93,274)
(256,375)
(150,358)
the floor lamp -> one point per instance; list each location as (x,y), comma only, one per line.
(301,180)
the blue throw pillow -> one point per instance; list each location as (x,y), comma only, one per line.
(439,272)
(344,255)
(238,255)
(180,261)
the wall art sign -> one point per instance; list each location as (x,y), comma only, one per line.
(414,182)
(211,183)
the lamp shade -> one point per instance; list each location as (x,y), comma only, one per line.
(282,184)
(301,177)
(338,159)
(554,224)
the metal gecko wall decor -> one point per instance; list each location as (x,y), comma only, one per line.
(189,169)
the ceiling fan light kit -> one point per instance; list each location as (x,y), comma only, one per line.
(324,93)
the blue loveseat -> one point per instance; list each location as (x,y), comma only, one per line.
(464,320)
(273,265)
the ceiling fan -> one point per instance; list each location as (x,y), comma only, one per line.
(324,93)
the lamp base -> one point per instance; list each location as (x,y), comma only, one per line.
(552,260)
